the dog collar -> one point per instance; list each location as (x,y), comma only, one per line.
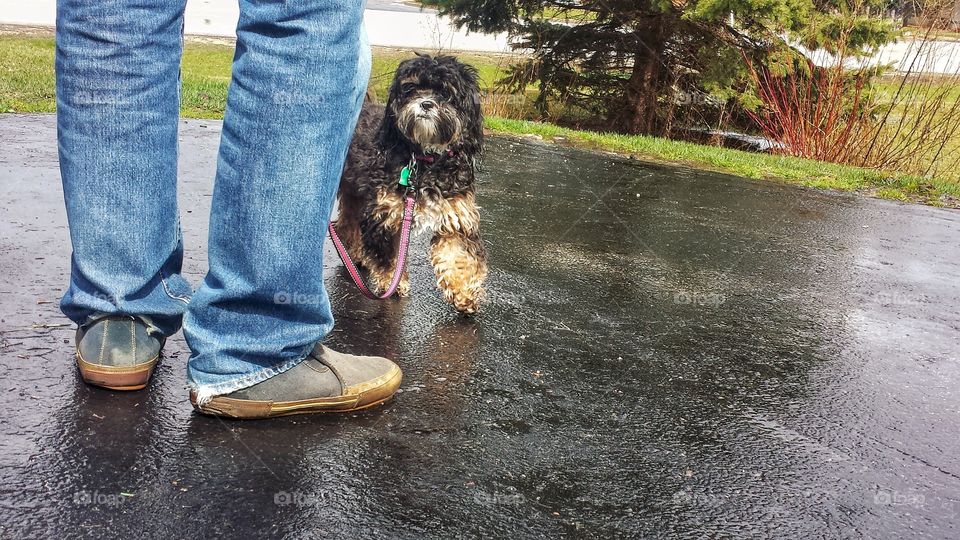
(430,158)
(408,173)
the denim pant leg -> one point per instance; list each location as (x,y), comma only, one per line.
(291,110)
(117,66)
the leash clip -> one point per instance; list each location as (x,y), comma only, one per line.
(407,173)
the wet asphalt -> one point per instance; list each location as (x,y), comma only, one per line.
(666,353)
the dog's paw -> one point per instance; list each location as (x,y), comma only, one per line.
(379,283)
(467,307)
(403,288)
(465,301)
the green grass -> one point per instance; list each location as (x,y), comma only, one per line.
(206,75)
(27,85)
(26,74)
(804,172)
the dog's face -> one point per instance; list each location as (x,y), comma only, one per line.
(434,103)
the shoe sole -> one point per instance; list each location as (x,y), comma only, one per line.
(244,409)
(117,378)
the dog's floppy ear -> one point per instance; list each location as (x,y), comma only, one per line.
(472,140)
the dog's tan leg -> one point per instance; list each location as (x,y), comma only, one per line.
(461,268)
(380,234)
(382,274)
(403,289)
(458,256)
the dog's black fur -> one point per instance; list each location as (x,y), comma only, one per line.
(433,111)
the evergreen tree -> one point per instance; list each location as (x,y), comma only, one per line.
(622,60)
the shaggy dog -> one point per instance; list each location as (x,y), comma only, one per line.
(432,121)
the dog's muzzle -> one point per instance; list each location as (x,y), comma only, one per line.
(429,123)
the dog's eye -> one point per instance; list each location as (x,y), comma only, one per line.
(406,88)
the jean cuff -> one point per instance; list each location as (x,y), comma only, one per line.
(203,394)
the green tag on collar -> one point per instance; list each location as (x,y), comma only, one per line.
(405,176)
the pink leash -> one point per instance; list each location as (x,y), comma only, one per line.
(401,255)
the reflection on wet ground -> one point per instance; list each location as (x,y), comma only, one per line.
(665,352)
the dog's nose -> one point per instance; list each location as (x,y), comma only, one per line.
(428,104)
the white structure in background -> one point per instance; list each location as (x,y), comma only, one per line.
(914,55)
(942,57)
(406,29)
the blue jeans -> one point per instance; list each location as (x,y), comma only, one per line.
(299,75)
